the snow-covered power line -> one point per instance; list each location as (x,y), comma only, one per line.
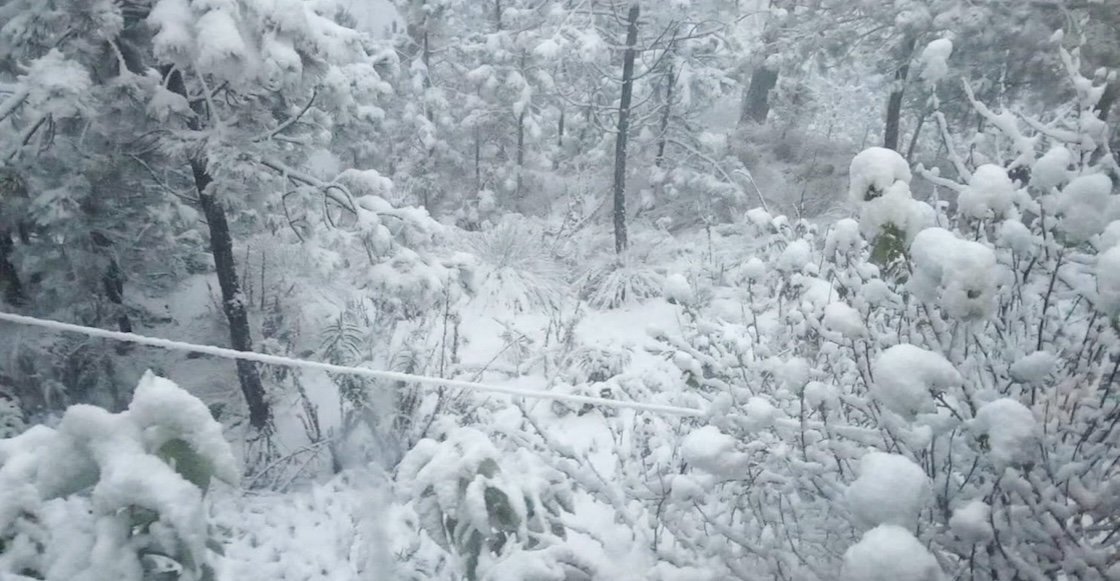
(344,369)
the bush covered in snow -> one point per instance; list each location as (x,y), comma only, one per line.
(114,496)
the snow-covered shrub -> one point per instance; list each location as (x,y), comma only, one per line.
(615,283)
(948,411)
(519,272)
(485,507)
(114,496)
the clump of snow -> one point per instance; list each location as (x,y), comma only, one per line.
(845,320)
(795,256)
(754,269)
(1033,368)
(677,289)
(906,376)
(960,273)
(989,193)
(793,372)
(759,413)
(819,394)
(759,218)
(875,292)
(844,237)
(891,489)
(1015,236)
(1108,281)
(875,169)
(935,60)
(1052,169)
(1084,205)
(710,450)
(971,522)
(1010,428)
(889,553)
(1109,237)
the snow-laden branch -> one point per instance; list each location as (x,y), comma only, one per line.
(13,102)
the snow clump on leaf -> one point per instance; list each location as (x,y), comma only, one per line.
(890,553)
(891,489)
(906,377)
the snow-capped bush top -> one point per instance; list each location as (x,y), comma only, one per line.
(961,273)
(935,60)
(906,376)
(989,193)
(1011,430)
(891,489)
(1052,169)
(890,553)
(1108,281)
(1086,206)
(875,169)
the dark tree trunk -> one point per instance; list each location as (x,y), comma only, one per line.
(477,159)
(112,282)
(233,301)
(521,147)
(914,138)
(9,277)
(665,115)
(756,102)
(894,103)
(620,238)
(1108,98)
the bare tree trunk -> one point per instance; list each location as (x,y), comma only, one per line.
(233,301)
(9,277)
(1108,98)
(756,101)
(620,238)
(521,146)
(665,115)
(894,103)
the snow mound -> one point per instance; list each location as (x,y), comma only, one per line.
(961,274)
(971,522)
(677,289)
(1108,281)
(845,320)
(889,553)
(1033,368)
(906,377)
(1084,206)
(1011,431)
(1110,237)
(795,256)
(989,193)
(759,413)
(891,489)
(935,60)
(1052,169)
(709,450)
(844,237)
(875,169)
(754,269)
(1015,236)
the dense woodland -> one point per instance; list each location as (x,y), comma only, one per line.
(866,254)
